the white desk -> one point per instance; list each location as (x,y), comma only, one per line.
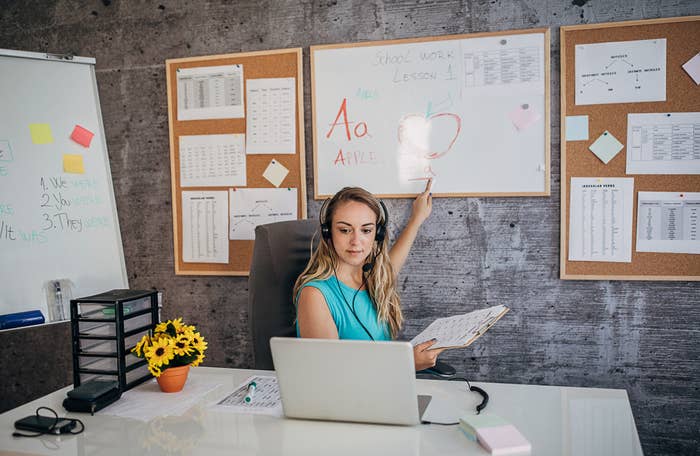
(558,421)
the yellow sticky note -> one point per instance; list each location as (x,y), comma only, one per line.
(41,133)
(73,163)
(275,173)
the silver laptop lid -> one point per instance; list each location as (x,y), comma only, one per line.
(346,380)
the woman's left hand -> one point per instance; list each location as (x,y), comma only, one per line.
(423,204)
(424,357)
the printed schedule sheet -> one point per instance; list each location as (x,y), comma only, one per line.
(668,222)
(663,143)
(600,219)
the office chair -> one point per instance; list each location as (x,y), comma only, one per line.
(280,253)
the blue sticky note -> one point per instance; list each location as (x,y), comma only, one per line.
(577,128)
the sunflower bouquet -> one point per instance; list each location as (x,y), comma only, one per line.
(172,344)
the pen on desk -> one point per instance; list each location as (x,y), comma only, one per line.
(249,393)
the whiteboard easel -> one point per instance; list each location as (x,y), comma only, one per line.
(63,225)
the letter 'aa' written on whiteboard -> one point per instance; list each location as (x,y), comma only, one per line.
(600,221)
(251,207)
(663,143)
(210,92)
(668,222)
(212,161)
(621,72)
(204,226)
(270,126)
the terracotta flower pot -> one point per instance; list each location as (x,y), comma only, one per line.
(173,379)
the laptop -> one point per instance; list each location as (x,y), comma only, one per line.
(347,380)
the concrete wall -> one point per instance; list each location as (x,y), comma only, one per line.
(642,337)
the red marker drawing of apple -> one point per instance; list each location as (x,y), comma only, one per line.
(432,137)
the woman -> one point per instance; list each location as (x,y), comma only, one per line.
(348,289)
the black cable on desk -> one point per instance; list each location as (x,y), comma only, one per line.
(484,395)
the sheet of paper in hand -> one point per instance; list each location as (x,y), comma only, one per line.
(460,330)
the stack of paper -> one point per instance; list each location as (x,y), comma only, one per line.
(495,434)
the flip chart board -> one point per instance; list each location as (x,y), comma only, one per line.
(58,216)
(470,111)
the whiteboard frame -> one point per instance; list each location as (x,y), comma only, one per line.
(90,61)
(547,103)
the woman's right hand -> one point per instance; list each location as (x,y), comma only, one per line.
(424,357)
(423,204)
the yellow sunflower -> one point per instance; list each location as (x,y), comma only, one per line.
(187,328)
(198,342)
(161,327)
(177,323)
(155,370)
(161,352)
(199,360)
(138,349)
(183,345)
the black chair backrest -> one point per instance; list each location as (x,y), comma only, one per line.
(280,254)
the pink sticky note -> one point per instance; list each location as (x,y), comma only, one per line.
(692,67)
(82,136)
(523,116)
(502,440)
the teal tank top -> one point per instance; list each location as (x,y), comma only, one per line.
(346,323)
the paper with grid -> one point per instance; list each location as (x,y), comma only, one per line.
(460,330)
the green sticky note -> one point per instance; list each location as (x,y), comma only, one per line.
(41,133)
(606,147)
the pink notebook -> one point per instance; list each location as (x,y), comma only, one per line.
(503,440)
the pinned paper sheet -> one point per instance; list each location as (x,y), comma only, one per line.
(250,207)
(275,173)
(41,133)
(523,116)
(82,136)
(606,147)
(577,128)
(692,67)
(73,163)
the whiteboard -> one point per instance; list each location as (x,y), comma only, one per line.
(53,224)
(470,111)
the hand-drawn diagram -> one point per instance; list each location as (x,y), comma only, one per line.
(621,72)
(423,138)
(250,207)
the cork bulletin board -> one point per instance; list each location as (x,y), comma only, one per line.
(260,66)
(682,95)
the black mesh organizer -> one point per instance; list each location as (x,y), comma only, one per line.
(105,328)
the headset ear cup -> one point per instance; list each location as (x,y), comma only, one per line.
(381,233)
(381,226)
(325,231)
(325,226)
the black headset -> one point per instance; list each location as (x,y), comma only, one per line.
(382,222)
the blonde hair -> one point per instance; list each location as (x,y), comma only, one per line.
(381,281)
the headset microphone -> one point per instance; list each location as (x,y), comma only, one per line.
(367,267)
